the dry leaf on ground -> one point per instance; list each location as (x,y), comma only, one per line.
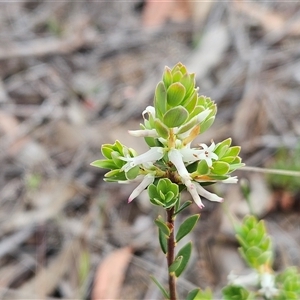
(110,275)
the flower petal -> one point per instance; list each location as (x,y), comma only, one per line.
(148,179)
(149,110)
(208,195)
(176,159)
(233,179)
(193,191)
(152,155)
(144,133)
(191,154)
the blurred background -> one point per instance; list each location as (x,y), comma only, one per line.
(75,75)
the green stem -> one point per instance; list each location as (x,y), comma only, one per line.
(171,252)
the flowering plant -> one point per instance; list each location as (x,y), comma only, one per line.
(172,164)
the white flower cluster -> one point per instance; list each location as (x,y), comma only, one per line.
(180,156)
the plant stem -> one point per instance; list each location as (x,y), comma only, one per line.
(170,253)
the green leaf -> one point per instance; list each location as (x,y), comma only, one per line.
(175,117)
(116,158)
(177,76)
(162,241)
(162,289)
(156,201)
(232,292)
(203,168)
(193,295)
(186,227)
(167,77)
(182,207)
(151,142)
(221,148)
(162,226)
(233,151)
(189,125)
(220,167)
(252,255)
(265,258)
(133,173)
(106,150)
(169,196)
(118,147)
(228,159)
(176,263)
(160,100)
(197,294)
(175,94)
(114,173)
(104,163)
(206,124)
(185,252)
(161,129)
(152,191)
(191,102)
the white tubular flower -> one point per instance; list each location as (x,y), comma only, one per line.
(144,133)
(208,195)
(246,280)
(148,179)
(176,158)
(208,155)
(233,179)
(267,282)
(191,154)
(152,155)
(149,110)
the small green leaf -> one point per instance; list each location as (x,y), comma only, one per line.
(183,206)
(175,117)
(162,226)
(175,94)
(233,151)
(191,102)
(176,263)
(228,159)
(132,173)
(161,129)
(185,252)
(104,163)
(202,168)
(177,76)
(106,150)
(169,196)
(206,124)
(116,158)
(186,227)
(150,141)
(220,167)
(193,295)
(162,241)
(115,175)
(160,100)
(221,148)
(198,294)
(231,292)
(162,289)
(265,258)
(189,125)
(118,147)
(167,77)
